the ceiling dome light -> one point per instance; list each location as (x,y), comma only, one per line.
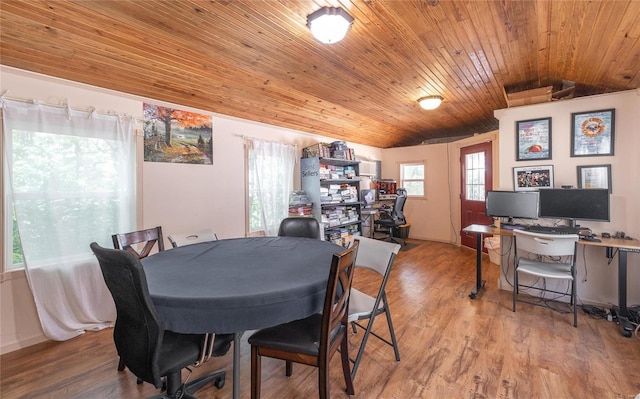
(430,102)
(329,24)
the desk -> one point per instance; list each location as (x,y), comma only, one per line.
(236,285)
(479,230)
(623,246)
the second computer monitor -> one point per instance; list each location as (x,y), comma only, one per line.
(512,204)
(575,204)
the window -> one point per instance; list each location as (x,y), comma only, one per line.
(412,178)
(270,182)
(63,185)
(474,164)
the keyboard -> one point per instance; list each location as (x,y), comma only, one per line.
(506,226)
(553,229)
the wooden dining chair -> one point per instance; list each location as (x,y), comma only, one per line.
(149,237)
(313,340)
(126,241)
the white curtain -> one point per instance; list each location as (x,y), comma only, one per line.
(271,167)
(69,180)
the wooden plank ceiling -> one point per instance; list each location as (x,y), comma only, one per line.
(257,60)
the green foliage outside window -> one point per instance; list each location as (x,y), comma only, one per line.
(17,249)
(54,191)
(413,178)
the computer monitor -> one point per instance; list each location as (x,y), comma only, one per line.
(512,204)
(575,204)
(368,198)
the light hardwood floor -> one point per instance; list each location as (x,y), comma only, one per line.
(450,347)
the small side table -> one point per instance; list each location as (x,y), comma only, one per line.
(368,216)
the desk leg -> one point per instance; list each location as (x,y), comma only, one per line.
(236,365)
(479,281)
(623,312)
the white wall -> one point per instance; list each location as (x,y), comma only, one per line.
(436,216)
(179,197)
(428,216)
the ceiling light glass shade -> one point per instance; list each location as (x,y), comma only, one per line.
(329,24)
(430,102)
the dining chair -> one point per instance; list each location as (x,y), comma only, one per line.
(313,340)
(377,256)
(127,241)
(180,240)
(149,237)
(299,227)
(545,256)
(148,350)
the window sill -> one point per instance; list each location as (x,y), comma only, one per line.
(12,275)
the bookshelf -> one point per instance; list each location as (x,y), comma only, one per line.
(333,185)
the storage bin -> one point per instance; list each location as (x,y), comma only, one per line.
(492,244)
(402,231)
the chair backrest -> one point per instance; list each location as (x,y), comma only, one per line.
(180,240)
(335,312)
(149,236)
(397,214)
(138,331)
(546,244)
(299,227)
(376,255)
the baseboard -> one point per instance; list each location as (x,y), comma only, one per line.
(14,345)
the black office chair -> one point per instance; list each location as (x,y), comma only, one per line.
(389,220)
(299,227)
(127,241)
(145,347)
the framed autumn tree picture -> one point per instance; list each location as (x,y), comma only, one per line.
(177,136)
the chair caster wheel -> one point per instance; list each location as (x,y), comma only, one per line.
(219,382)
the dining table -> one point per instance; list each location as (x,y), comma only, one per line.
(237,285)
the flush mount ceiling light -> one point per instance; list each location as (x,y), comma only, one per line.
(430,102)
(329,24)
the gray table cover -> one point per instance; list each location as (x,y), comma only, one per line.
(236,285)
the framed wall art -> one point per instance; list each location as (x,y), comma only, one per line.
(595,176)
(177,136)
(533,178)
(592,133)
(533,139)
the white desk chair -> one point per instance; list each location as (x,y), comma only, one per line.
(377,256)
(554,259)
(179,240)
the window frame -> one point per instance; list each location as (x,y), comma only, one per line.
(10,270)
(423,164)
(467,184)
(248,148)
